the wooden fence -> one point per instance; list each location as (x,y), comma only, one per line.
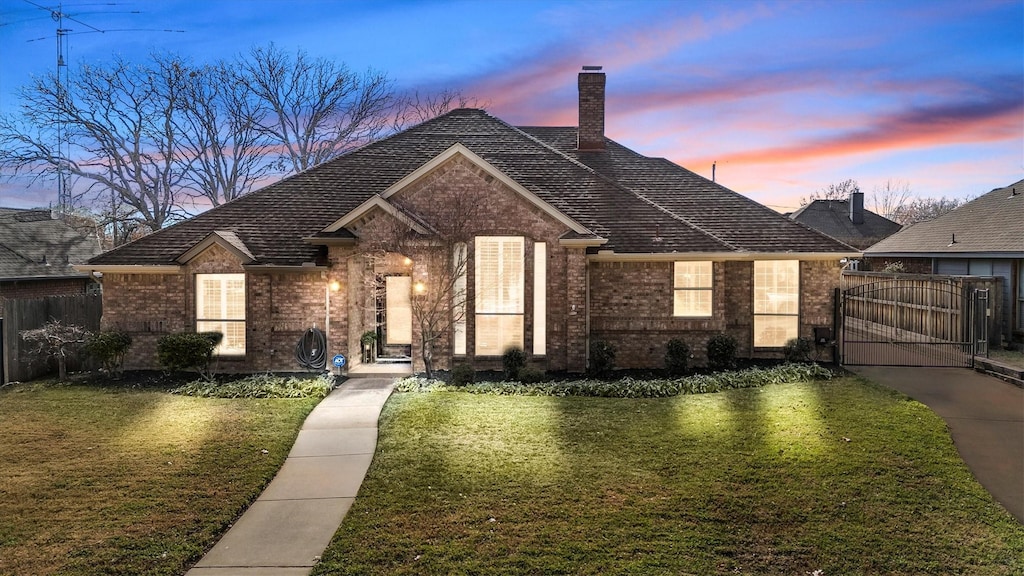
(928,306)
(18,315)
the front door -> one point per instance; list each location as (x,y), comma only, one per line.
(396,337)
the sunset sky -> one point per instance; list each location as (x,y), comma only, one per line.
(786,97)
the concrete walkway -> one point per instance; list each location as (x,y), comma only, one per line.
(985,417)
(284,532)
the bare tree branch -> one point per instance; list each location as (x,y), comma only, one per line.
(318,109)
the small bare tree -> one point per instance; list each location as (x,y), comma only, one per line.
(56,340)
(888,198)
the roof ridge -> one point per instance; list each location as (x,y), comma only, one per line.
(619,186)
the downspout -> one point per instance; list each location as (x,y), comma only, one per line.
(586,306)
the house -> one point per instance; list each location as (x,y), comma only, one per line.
(567,237)
(984,237)
(846,220)
(38,254)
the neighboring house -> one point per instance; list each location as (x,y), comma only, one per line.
(846,221)
(574,238)
(38,254)
(984,237)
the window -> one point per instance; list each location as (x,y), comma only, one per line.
(776,302)
(459,300)
(540,297)
(499,294)
(692,288)
(220,307)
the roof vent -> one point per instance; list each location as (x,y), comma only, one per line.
(1013,192)
(953,241)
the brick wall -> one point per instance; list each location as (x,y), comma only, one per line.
(632,306)
(280,307)
(489,208)
(910,265)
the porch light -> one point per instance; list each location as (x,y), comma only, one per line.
(407,261)
(419,287)
(335,285)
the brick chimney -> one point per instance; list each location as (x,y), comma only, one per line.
(857,207)
(591,127)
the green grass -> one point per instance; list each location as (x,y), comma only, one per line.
(838,476)
(1013,358)
(105,481)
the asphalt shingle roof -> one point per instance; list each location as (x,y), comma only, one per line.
(833,218)
(641,205)
(991,223)
(32,245)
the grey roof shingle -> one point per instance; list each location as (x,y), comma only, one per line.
(641,205)
(833,218)
(993,224)
(32,245)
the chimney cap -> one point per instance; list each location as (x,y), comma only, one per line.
(592,68)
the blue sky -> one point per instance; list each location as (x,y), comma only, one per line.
(786,97)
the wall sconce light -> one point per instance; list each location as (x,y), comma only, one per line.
(335,285)
(419,287)
(407,261)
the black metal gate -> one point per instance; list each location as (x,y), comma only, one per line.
(898,322)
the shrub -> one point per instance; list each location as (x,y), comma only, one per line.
(630,387)
(530,375)
(722,352)
(55,340)
(462,374)
(512,361)
(798,349)
(260,386)
(109,349)
(677,357)
(896,267)
(188,351)
(602,358)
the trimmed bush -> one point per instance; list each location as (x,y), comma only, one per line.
(798,349)
(602,358)
(677,357)
(530,375)
(109,349)
(512,361)
(630,387)
(260,386)
(462,374)
(188,351)
(722,352)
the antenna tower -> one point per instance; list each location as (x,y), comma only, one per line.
(63,142)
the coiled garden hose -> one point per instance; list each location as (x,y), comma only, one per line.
(311,351)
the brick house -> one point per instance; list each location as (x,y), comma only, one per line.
(38,254)
(569,237)
(984,237)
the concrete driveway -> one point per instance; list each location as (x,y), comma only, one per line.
(985,417)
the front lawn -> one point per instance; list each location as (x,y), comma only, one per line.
(838,476)
(104,481)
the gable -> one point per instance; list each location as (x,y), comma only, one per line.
(453,155)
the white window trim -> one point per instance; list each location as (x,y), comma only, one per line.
(540,295)
(495,309)
(709,289)
(794,315)
(222,348)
